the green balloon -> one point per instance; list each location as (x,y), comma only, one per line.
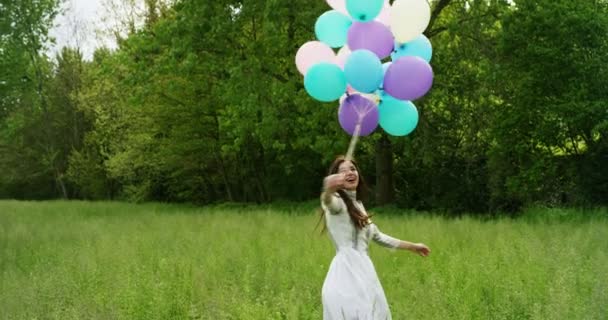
(397,117)
(331,28)
(364,10)
(325,82)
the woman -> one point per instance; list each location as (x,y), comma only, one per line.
(351,289)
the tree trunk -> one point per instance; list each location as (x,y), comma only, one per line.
(219,159)
(224,176)
(385,191)
(61,184)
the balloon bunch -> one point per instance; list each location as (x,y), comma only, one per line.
(368,33)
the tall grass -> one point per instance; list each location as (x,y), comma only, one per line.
(81,260)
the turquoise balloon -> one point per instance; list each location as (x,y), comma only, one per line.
(364,10)
(419,47)
(397,117)
(331,28)
(325,82)
(363,71)
(382,94)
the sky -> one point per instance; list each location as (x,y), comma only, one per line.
(76,27)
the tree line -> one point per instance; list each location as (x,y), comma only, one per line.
(203,103)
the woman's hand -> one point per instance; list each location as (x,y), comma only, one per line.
(333,182)
(421,249)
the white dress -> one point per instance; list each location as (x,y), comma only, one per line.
(351,289)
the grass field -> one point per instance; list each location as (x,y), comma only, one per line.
(80,260)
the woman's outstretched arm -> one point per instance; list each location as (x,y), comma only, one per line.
(419,248)
(390,242)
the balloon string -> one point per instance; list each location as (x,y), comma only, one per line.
(353,140)
(364,113)
(355,137)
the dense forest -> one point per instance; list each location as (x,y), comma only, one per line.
(202,103)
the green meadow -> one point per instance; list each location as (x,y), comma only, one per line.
(108,260)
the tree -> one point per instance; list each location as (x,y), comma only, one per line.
(442,164)
(26,141)
(554,111)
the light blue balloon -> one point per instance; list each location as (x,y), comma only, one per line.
(363,71)
(325,82)
(397,117)
(419,47)
(331,28)
(384,68)
(364,10)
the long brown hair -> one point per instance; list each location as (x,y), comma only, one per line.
(359,218)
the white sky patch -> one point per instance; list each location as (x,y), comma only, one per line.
(78,26)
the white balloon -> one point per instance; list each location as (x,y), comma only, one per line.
(369,96)
(384,16)
(372,97)
(409,19)
(339,5)
(342,56)
(311,53)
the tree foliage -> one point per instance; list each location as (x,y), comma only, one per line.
(202,102)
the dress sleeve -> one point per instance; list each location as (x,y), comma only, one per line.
(383,239)
(335,206)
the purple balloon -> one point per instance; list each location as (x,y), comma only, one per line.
(373,36)
(408,78)
(357,108)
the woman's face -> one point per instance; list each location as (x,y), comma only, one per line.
(351,176)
